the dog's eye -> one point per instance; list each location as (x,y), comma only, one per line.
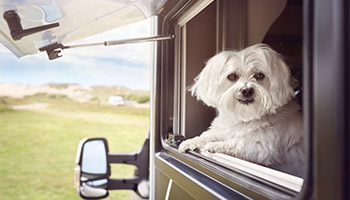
(259,76)
(232,77)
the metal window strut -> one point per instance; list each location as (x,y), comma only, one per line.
(54,49)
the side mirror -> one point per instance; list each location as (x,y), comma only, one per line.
(92,171)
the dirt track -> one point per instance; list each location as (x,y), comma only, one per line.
(32,106)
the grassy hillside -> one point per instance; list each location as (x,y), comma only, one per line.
(94,94)
(38,147)
(101,94)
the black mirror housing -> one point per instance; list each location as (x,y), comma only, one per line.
(93,170)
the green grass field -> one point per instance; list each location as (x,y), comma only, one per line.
(38,147)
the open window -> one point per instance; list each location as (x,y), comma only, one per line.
(215,26)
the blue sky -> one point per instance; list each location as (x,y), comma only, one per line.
(125,65)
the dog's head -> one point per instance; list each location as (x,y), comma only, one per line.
(248,84)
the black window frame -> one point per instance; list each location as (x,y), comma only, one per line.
(258,188)
(316,184)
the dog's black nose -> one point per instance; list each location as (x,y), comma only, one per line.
(247,92)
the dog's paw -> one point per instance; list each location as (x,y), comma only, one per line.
(188,145)
(214,147)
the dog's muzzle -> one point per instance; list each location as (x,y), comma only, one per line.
(246,95)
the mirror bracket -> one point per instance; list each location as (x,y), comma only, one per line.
(139,159)
(122,158)
(123,184)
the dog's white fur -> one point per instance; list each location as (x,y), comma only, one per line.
(269,129)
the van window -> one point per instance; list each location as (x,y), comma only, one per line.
(232,25)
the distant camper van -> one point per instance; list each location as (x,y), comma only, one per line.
(116,101)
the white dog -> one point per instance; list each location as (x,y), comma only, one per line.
(258,119)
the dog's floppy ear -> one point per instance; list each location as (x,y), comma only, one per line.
(207,82)
(281,89)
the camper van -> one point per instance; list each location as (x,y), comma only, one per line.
(116,101)
(313,38)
